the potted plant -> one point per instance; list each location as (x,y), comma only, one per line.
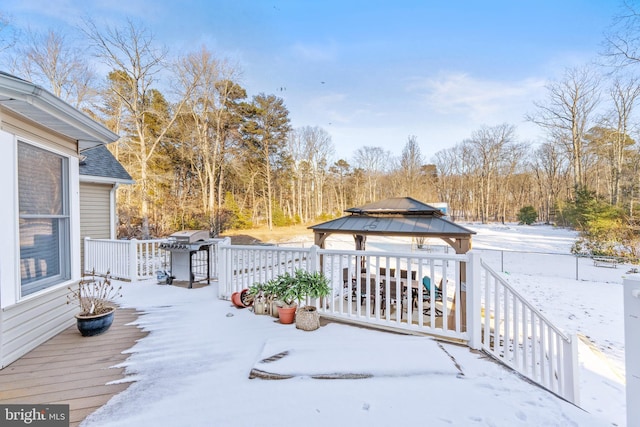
(311,285)
(286,293)
(95,299)
(242,299)
(256,291)
(289,290)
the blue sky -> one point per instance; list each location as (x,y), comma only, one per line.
(373,72)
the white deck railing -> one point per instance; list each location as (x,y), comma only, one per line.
(518,335)
(139,259)
(367,286)
(123,259)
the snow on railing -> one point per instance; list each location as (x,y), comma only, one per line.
(518,335)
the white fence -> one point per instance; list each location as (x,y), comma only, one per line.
(631,292)
(139,259)
(123,259)
(518,335)
(384,289)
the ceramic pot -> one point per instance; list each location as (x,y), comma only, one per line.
(95,325)
(235,299)
(242,299)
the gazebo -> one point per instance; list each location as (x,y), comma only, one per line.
(401,216)
(397,216)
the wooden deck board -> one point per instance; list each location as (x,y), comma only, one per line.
(71,369)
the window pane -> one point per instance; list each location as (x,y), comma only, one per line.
(39,253)
(40,181)
(44,218)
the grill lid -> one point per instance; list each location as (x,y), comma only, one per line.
(190,236)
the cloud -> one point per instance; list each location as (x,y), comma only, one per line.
(314,53)
(483,101)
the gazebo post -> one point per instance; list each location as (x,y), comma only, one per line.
(361,243)
(461,246)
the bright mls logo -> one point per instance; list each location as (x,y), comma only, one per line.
(34,415)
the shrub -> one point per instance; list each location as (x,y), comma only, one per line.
(527,215)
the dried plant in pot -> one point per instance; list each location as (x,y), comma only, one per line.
(95,299)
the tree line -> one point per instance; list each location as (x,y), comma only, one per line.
(204,154)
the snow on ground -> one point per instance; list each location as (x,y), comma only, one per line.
(193,367)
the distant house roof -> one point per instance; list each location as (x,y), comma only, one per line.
(100,165)
(36,104)
(398,216)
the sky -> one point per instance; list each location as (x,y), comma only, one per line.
(193,367)
(372,73)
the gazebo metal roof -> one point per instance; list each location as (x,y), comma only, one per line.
(398,216)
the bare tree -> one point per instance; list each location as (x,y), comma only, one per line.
(209,122)
(340,172)
(130,51)
(411,163)
(8,36)
(549,167)
(372,161)
(567,114)
(622,40)
(491,147)
(624,95)
(318,150)
(52,60)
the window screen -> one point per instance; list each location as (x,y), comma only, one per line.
(44,218)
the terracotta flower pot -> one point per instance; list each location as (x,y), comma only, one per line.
(246,298)
(242,299)
(235,299)
(287,315)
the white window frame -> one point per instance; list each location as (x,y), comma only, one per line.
(63,220)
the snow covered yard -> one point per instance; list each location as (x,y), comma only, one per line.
(193,368)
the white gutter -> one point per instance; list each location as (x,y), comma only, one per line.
(105,180)
(21,90)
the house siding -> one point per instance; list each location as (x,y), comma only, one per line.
(31,322)
(27,322)
(36,133)
(95,212)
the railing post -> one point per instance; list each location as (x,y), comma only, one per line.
(223,271)
(313,259)
(473,300)
(133,260)
(571,380)
(85,267)
(631,292)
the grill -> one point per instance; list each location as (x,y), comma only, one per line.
(185,247)
(186,241)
